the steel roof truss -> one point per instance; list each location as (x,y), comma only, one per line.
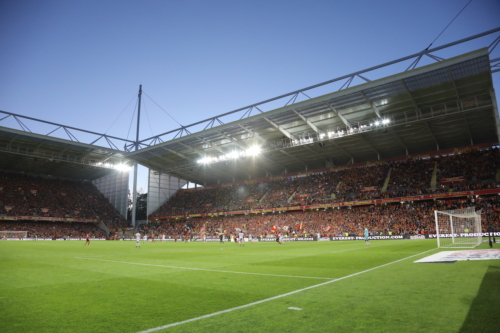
(309,123)
(344,120)
(372,105)
(279,128)
(210,144)
(399,139)
(432,134)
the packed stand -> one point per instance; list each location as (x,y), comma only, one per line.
(404,178)
(387,219)
(48,229)
(25,195)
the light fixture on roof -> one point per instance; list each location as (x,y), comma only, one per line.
(252,151)
(122,167)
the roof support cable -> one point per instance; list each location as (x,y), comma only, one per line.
(131,120)
(119,115)
(162,109)
(147,116)
(460,12)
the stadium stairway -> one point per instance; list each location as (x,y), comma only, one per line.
(434,176)
(386,181)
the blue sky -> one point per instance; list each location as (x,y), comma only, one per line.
(79,63)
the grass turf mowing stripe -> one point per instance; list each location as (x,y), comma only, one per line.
(204,269)
(276,297)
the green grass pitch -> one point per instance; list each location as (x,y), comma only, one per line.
(345,286)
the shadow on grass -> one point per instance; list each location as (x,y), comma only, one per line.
(484,312)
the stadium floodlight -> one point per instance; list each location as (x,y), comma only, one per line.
(253,151)
(232,155)
(458,228)
(122,167)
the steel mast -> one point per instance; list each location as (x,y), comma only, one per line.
(134,194)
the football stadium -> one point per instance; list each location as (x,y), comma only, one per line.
(373,207)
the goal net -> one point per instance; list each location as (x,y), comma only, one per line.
(13,234)
(458,228)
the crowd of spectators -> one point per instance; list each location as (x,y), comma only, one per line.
(410,177)
(32,196)
(48,229)
(24,195)
(386,219)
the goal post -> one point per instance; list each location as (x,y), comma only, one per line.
(458,228)
(13,234)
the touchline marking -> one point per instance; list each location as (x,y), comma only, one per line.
(293,308)
(208,270)
(275,297)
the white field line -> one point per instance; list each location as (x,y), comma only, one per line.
(274,297)
(203,269)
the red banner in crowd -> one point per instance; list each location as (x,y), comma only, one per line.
(452,180)
(368,189)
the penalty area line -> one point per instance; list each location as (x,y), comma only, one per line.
(276,297)
(207,270)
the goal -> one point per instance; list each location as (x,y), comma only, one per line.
(13,234)
(458,228)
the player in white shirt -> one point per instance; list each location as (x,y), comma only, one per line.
(241,239)
(162,238)
(137,240)
(145,238)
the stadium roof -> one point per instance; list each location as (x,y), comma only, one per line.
(446,104)
(24,151)
(443,105)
